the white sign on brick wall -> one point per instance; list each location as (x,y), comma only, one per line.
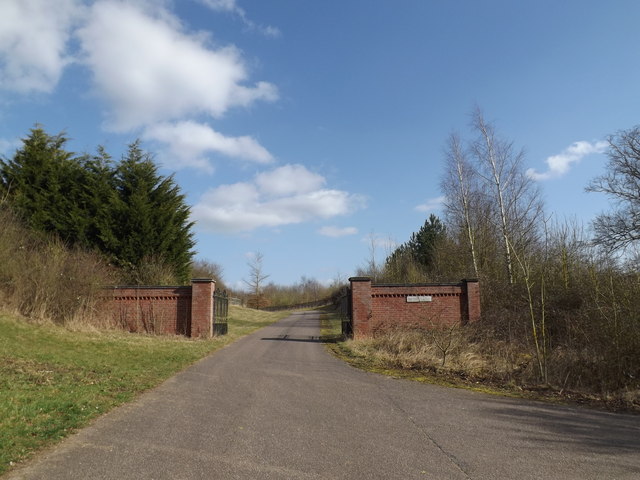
(418,298)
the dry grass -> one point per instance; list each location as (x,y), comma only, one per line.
(480,362)
(423,349)
(43,279)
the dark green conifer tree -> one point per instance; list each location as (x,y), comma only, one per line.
(41,182)
(97,196)
(130,213)
(423,244)
(414,260)
(152,219)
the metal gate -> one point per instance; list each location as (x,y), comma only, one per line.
(220,313)
(343,307)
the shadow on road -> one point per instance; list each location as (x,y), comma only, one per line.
(584,429)
(308,339)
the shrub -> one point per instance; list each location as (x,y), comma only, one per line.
(43,279)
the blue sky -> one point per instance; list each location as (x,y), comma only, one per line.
(302,129)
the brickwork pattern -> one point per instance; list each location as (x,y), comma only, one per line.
(202,307)
(376,308)
(361,305)
(184,310)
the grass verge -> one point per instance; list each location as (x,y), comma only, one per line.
(330,325)
(54,381)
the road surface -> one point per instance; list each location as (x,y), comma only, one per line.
(276,405)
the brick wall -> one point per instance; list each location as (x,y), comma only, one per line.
(379,307)
(184,310)
(202,307)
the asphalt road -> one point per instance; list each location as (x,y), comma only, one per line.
(276,405)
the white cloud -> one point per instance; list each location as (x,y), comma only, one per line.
(232,6)
(288,180)
(188,143)
(431,204)
(560,164)
(221,5)
(246,206)
(153,74)
(331,231)
(150,70)
(33,42)
(8,147)
(270,31)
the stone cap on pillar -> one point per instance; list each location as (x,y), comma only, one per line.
(360,279)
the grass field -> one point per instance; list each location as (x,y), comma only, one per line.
(54,381)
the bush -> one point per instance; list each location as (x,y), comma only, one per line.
(42,279)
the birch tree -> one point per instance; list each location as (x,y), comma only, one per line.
(457,185)
(494,205)
(515,196)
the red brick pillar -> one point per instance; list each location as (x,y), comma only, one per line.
(361,306)
(202,307)
(472,294)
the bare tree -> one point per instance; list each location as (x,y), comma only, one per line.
(620,228)
(516,197)
(256,279)
(457,185)
(207,269)
(371,268)
(490,200)
(309,289)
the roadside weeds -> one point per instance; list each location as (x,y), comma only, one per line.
(355,354)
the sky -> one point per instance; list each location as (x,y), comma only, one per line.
(313,131)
